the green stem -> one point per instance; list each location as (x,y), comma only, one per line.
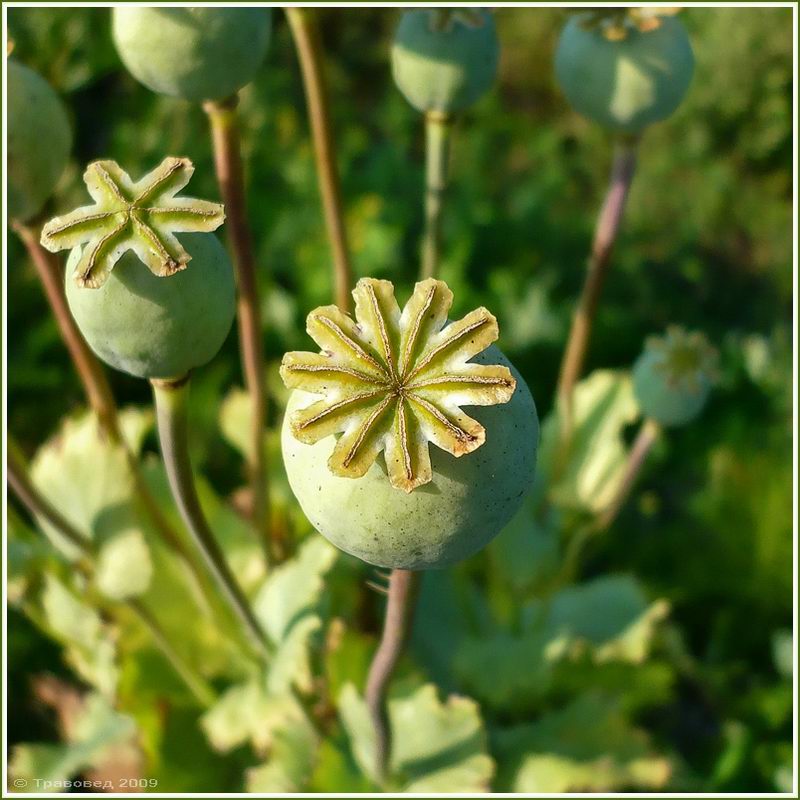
(89,370)
(171,414)
(38,506)
(647,436)
(195,682)
(403,586)
(438,128)
(309,51)
(224,121)
(608,223)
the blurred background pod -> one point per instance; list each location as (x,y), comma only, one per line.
(622,75)
(39,141)
(444,60)
(193,53)
(673,377)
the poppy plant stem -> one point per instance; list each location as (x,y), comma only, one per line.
(608,223)
(647,436)
(438,128)
(171,402)
(224,121)
(90,372)
(309,51)
(403,585)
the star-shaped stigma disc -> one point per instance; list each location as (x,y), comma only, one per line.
(142,216)
(394,381)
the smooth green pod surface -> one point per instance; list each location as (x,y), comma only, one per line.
(158,327)
(670,403)
(466,504)
(673,376)
(39,141)
(444,70)
(193,53)
(628,84)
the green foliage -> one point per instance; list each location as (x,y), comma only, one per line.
(439,746)
(95,730)
(588,746)
(561,658)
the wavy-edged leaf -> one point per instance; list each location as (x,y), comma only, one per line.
(588,746)
(437,747)
(591,470)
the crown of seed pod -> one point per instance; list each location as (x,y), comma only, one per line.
(443,60)
(673,377)
(394,382)
(193,53)
(39,141)
(147,302)
(624,68)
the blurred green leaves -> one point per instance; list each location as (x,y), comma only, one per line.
(588,746)
(438,747)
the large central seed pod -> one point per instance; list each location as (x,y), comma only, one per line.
(124,248)
(392,383)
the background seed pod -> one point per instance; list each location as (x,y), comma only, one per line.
(674,395)
(444,70)
(155,327)
(193,53)
(627,84)
(39,141)
(458,513)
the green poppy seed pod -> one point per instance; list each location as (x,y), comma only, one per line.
(413,481)
(39,141)
(444,61)
(158,327)
(625,83)
(673,376)
(194,53)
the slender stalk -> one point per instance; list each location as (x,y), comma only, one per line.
(224,121)
(608,223)
(438,128)
(645,439)
(171,414)
(309,50)
(647,436)
(196,684)
(90,372)
(38,506)
(396,628)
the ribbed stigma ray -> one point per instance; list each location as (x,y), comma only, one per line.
(105,243)
(459,433)
(384,335)
(446,344)
(353,346)
(366,427)
(413,336)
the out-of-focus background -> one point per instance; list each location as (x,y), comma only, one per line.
(706,243)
